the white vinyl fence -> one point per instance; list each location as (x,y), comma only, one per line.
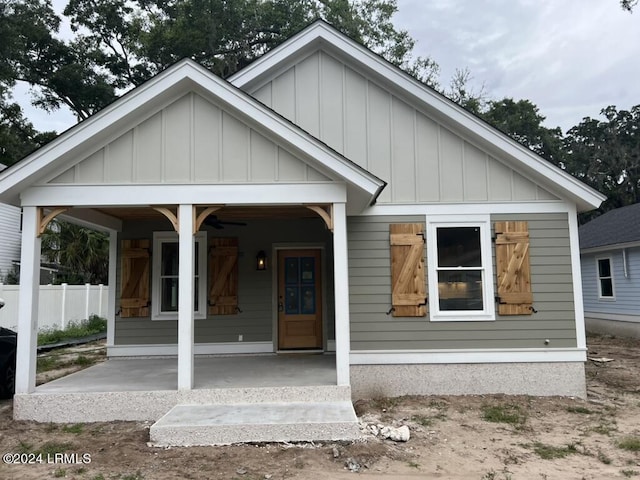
(58,304)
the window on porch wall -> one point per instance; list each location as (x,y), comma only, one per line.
(165,276)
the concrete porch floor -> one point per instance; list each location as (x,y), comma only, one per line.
(211,372)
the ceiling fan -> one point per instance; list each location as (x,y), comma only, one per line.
(215,222)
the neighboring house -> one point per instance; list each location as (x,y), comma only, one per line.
(610,255)
(429,251)
(9,236)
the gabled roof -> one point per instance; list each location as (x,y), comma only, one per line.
(171,84)
(322,36)
(616,228)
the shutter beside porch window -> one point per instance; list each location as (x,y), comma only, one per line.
(513,268)
(134,290)
(223,276)
(408,283)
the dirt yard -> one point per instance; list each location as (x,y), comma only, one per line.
(476,437)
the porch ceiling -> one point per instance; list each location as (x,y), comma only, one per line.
(224,213)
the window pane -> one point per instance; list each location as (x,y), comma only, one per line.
(460,290)
(307,270)
(169,259)
(308,300)
(604,267)
(169,295)
(606,287)
(292,301)
(459,247)
(291,270)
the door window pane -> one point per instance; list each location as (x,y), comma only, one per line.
(291,270)
(292,301)
(307,270)
(308,300)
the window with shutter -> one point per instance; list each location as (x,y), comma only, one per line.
(513,268)
(166,280)
(223,276)
(459,263)
(134,291)
(408,283)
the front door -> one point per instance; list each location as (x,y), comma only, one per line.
(299,300)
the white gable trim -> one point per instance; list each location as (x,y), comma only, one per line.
(322,36)
(169,85)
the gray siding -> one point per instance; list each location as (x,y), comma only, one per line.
(421,160)
(255,288)
(370,294)
(190,141)
(9,237)
(626,289)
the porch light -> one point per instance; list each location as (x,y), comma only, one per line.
(261,260)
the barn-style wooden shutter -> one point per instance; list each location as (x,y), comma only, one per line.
(513,268)
(408,296)
(223,276)
(134,291)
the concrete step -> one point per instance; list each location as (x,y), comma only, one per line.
(187,425)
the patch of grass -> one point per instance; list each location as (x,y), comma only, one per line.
(93,325)
(51,448)
(98,477)
(414,465)
(84,361)
(60,473)
(385,403)
(423,420)
(45,364)
(76,428)
(627,472)
(549,452)
(578,409)
(631,444)
(133,476)
(603,458)
(510,414)
(606,426)
(24,447)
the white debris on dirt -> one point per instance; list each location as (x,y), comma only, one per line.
(371,426)
(400,434)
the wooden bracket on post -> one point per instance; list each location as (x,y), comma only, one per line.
(44,220)
(203,215)
(172,217)
(325,212)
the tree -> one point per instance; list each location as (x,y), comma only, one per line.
(81,253)
(18,138)
(628,5)
(521,120)
(606,155)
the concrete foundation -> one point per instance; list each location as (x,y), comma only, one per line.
(613,327)
(539,379)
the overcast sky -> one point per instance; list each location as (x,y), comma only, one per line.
(569,57)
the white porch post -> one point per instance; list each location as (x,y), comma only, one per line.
(28,302)
(111,302)
(185,297)
(341,287)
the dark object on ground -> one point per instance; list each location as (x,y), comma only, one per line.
(8,340)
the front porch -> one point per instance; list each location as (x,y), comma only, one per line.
(257,398)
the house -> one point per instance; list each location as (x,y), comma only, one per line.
(331,203)
(610,261)
(9,236)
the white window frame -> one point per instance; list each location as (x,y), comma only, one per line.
(200,240)
(599,278)
(448,221)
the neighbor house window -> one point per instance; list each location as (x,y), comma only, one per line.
(605,278)
(165,276)
(460,276)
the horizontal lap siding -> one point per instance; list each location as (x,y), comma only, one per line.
(370,294)
(626,289)
(255,322)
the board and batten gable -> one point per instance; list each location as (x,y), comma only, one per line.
(626,286)
(192,140)
(370,293)
(422,161)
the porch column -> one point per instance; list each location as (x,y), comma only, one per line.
(341,287)
(111,301)
(28,302)
(185,297)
